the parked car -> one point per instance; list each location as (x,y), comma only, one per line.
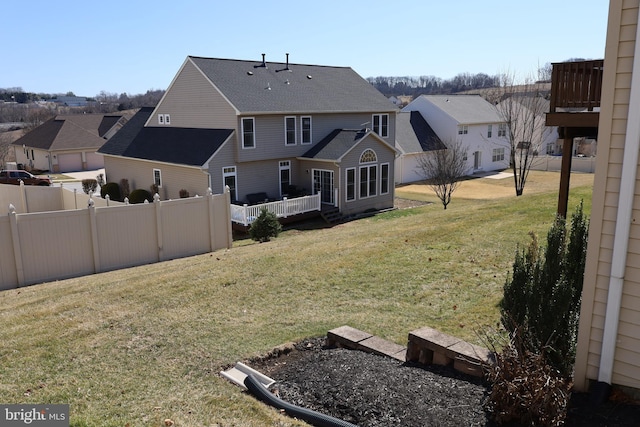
(15,176)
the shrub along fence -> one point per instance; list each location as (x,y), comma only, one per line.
(45,246)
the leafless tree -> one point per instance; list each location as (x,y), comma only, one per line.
(5,149)
(37,116)
(522,108)
(444,169)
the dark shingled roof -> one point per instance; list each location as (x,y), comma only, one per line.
(186,146)
(336,144)
(414,135)
(253,88)
(74,131)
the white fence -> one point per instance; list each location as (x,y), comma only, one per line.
(33,198)
(554,163)
(284,208)
(45,246)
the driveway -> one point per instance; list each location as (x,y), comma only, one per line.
(75,181)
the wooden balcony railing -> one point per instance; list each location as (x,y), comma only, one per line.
(575,93)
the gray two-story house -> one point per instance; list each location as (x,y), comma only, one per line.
(259,127)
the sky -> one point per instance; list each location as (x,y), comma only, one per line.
(133,46)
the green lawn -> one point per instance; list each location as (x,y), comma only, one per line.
(136,346)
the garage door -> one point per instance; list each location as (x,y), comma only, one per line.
(94,161)
(70,162)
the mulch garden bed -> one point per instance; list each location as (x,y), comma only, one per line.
(370,390)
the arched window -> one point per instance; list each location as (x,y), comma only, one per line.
(368,156)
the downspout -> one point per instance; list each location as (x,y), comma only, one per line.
(623,222)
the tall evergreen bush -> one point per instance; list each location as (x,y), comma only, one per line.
(542,297)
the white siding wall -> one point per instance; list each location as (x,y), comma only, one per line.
(475,140)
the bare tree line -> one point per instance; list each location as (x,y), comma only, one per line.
(28,108)
(431,85)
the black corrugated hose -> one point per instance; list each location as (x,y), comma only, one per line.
(312,417)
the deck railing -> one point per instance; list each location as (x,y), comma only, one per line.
(245,214)
(576,85)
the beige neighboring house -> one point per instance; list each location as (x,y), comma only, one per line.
(67,143)
(608,350)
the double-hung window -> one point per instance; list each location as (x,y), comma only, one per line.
(489,131)
(384,178)
(305,123)
(502,129)
(381,125)
(248,132)
(290,130)
(351,184)
(463,130)
(157,178)
(497,155)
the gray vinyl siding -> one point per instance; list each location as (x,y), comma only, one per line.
(258,177)
(352,159)
(270,131)
(193,102)
(225,157)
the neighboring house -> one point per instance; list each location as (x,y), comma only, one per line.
(471,120)
(608,349)
(263,128)
(530,127)
(67,143)
(71,101)
(414,139)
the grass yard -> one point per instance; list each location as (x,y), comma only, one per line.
(136,346)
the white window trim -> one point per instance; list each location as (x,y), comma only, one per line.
(302,141)
(489,131)
(253,121)
(463,129)
(379,131)
(381,165)
(164,119)
(355,185)
(502,129)
(295,131)
(368,167)
(159,183)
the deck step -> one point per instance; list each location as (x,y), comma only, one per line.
(331,216)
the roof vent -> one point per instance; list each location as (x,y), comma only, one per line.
(264,63)
(286,68)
